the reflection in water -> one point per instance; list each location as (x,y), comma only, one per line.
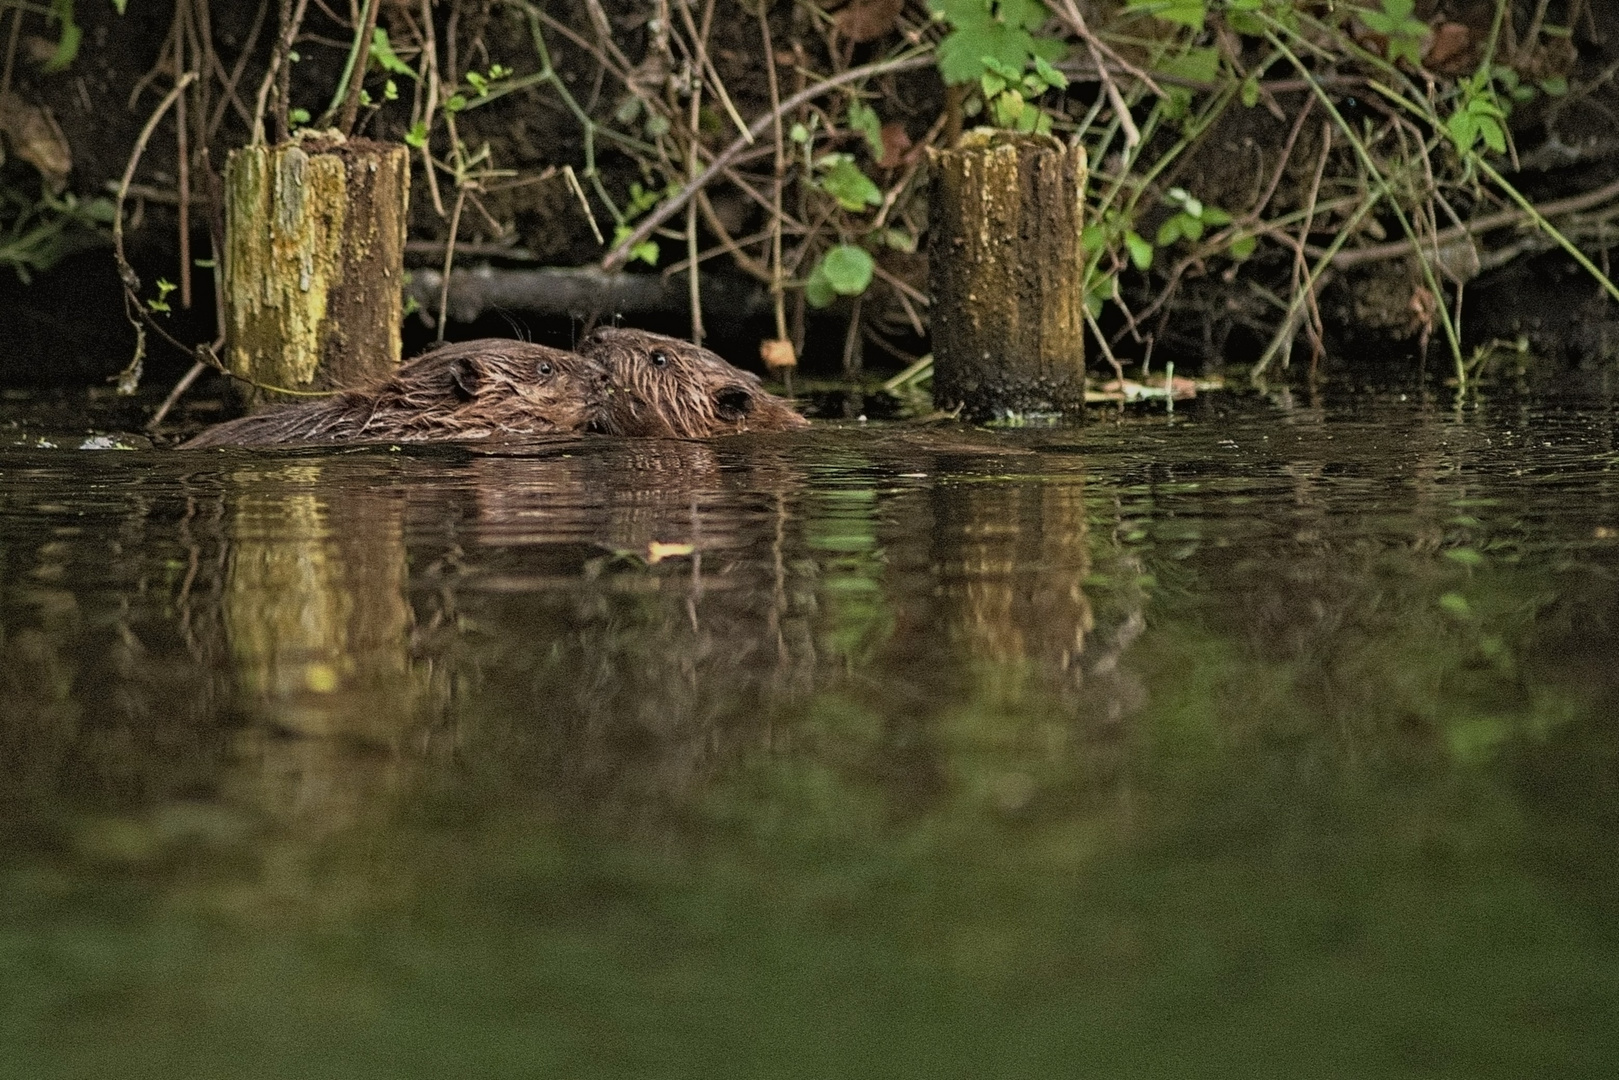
(868,751)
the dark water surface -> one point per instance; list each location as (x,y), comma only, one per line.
(1270,741)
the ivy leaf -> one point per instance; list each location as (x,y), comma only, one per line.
(847,269)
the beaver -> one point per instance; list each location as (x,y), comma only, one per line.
(469,390)
(662,386)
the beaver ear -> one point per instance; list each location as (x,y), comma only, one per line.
(464,379)
(733,403)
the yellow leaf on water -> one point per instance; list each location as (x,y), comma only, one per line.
(657,552)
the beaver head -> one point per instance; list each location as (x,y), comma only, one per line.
(668,387)
(469,390)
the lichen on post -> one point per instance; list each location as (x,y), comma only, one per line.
(314,261)
(1006,270)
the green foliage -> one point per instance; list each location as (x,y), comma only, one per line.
(481,83)
(863,118)
(1188,13)
(841,178)
(642,199)
(160,303)
(37,234)
(1009,91)
(983,30)
(383,55)
(1403,29)
(1191,218)
(845,270)
(67,46)
(1480,116)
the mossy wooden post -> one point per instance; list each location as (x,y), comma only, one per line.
(314,261)
(1005,266)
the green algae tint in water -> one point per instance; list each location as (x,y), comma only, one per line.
(1274,743)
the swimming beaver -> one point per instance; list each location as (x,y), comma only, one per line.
(663,386)
(469,390)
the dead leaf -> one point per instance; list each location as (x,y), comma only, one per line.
(777,353)
(896,145)
(36,138)
(861,21)
(1450,50)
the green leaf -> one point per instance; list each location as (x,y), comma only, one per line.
(842,179)
(1194,65)
(1465,556)
(1191,227)
(1170,231)
(67,46)
(1141,252)
(1190,13)
(818,290)
(646,251)
(416,137)
(848,269)
(1250,91)
(455,103)
(1456,605)
(1243,245)
(863,118)
(1494,137)
(1463,129)
(1053,78)
(298,116)
(898,239)
(383,55)
(1215,217)
(1093,239)
(1556,86)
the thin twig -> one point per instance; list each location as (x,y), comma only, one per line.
(676,202)
(361,59)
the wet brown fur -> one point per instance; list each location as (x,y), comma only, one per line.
(469,390)
(662,386)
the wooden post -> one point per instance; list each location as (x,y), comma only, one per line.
(1005,265)
(314,261)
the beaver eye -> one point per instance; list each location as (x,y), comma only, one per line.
(545,368)
(660,358)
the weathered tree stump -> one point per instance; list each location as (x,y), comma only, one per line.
(1005,266)
(314,261)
